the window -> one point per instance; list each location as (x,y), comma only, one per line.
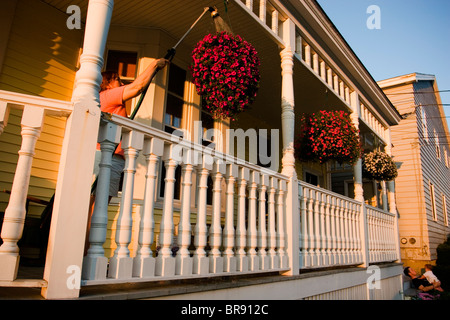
(445,156)
(175,98)
(438,148)
(207,123)
(124,63)
(433,202)
(424,123)
(444,209)
(311,178)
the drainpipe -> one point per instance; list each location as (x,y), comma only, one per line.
(70,212)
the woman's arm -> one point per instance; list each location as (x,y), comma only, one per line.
(138,85)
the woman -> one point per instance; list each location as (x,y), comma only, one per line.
(113,95)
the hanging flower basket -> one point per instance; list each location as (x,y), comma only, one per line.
(328,135)
(379,166)
(225,70)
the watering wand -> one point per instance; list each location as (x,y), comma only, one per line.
(169,56)
(171,53)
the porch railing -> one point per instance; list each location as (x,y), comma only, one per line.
(381,235)
(246,235)
(330,227)
(334,229)
(242,231)
(34,109)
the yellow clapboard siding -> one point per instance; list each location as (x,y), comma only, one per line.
(41,59)
(54,74)
(35,85)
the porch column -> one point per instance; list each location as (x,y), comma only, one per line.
(358,185)
(70,210)
(288,161)
(391,197)
(357,168)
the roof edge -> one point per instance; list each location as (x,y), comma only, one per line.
(405,79)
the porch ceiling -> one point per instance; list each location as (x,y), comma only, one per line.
(175,17)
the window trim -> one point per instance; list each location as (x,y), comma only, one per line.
(444,209)
(433,201)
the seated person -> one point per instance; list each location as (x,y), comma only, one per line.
(421,284)
(429,275)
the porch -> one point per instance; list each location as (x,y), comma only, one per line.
(248,231)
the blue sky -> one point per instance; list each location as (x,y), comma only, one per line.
(414,36)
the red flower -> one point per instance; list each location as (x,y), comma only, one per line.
(328,136)
(225,72)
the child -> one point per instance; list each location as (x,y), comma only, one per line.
(429,275)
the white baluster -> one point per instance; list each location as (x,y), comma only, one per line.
(184,262)
(262,10)
(95,263)
(355,233)
(323,70)
(215,231)
(371,235)
(229,260)
(275,22)
(327,230)
(345,238)
(330,77)
(317,235)
(262,232)
(310,226)
(271,234)
(121,264)
(249,4)
(241,232)
(165,263)
(336,83)
(14,219)
(341,90)
(333,257)
(304,227)
(201,262)
(358,234)
(323,254)
(144,262)
(281,220)
(4,114)
(339,231)
(252,233)
(316,62)
(351,232)
(308,55)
